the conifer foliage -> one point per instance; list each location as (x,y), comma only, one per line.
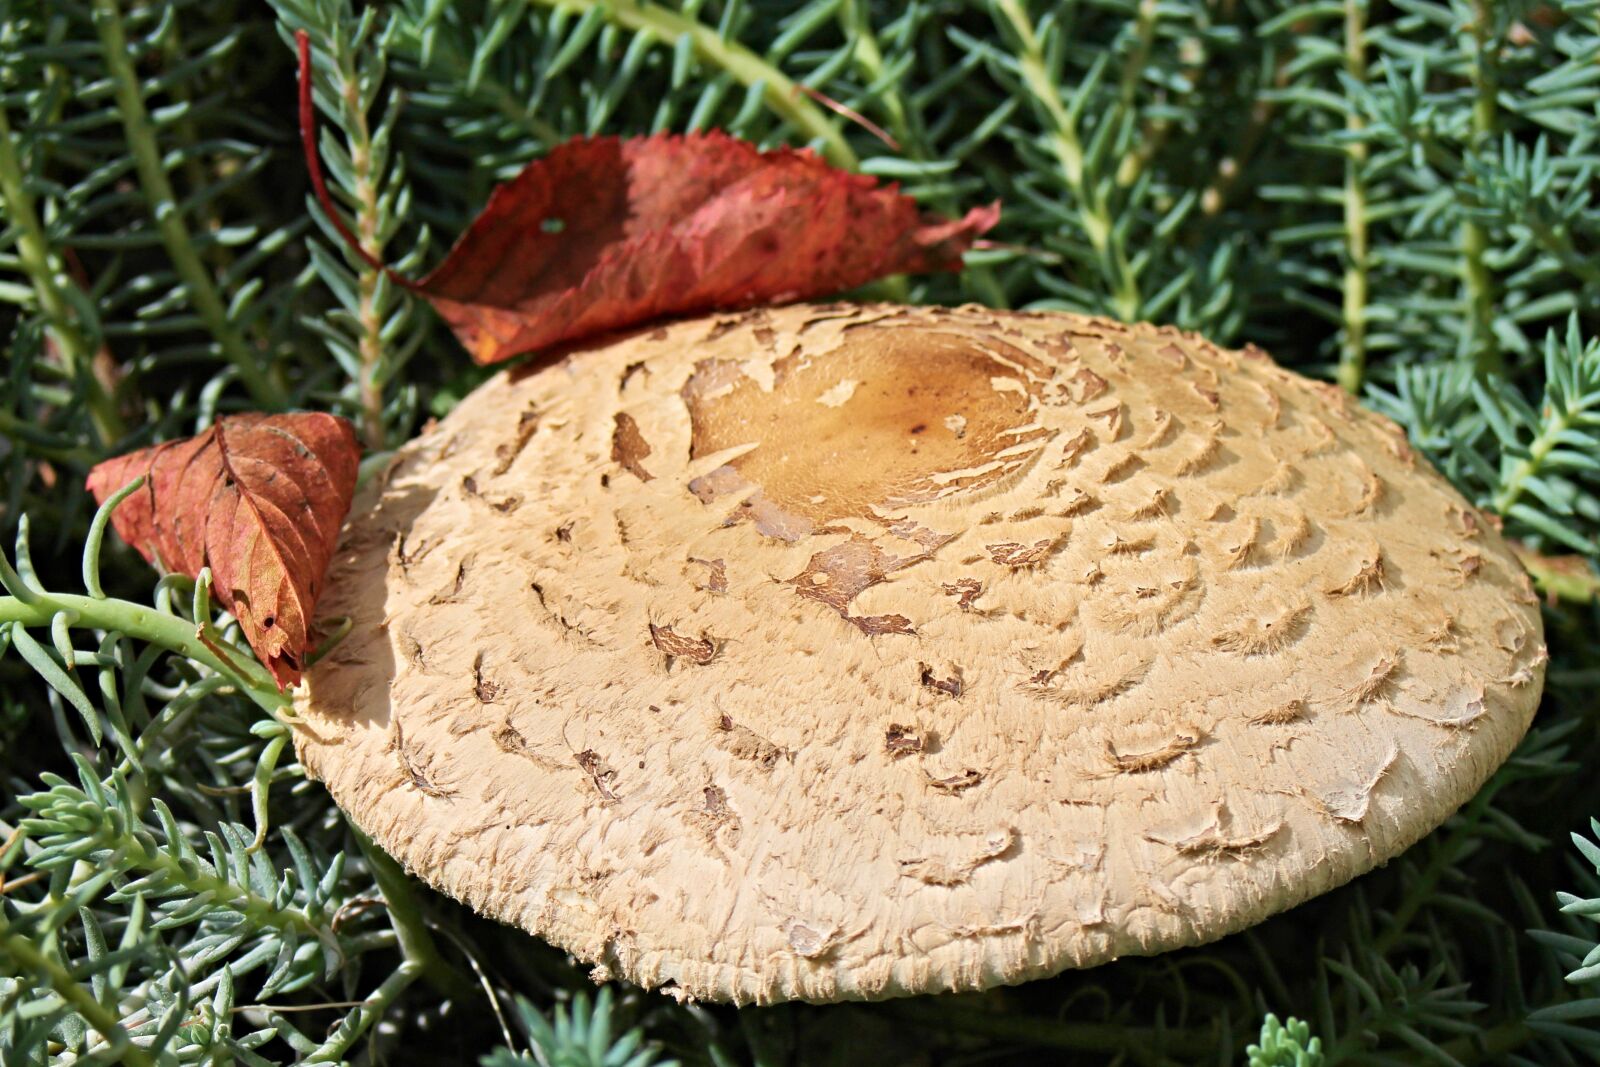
(1393,194)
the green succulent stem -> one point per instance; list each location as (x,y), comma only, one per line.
(422,959)
(1491,1046)
(365,1015)
(1549,438)
(1093,211)
(163,203)
(855,20)
(1156,131)
(1558,242)
(782,95)
(1476,274)
(144,623)
(369,216)
(405,916)
(1353,342)
(449,60)
(258,911)
(27,956)
(33,249)
(42,443)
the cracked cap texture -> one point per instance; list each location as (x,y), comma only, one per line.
(835,652)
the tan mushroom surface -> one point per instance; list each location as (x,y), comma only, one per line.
(835,652)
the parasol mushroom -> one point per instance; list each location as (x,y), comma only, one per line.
(836,652)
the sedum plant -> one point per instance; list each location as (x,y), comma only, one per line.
(1394,194)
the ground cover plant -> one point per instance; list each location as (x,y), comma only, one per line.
(1393,195)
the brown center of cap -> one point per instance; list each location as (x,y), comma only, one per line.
(890,416)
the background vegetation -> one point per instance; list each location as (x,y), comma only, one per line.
(1395,194)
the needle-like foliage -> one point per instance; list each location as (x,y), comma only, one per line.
(1393,194)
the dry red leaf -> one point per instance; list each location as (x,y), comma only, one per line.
(605,233)
(258,499)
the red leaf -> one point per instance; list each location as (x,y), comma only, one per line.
(259,500)
(606,233)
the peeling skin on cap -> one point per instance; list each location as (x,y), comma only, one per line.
(851,652)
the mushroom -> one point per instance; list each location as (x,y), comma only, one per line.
(841,652)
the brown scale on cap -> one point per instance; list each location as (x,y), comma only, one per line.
(868,651)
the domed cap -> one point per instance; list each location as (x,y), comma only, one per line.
(839,652)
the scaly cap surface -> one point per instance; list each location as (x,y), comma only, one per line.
(833,652)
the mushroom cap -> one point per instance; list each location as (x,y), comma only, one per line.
(838,652)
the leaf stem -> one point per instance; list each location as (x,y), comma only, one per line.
(168,217)
(856,21)
(33,249)
(781,94)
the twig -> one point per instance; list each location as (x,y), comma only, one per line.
(850,113)
(483,980)
(285,1008)
(353,907)
(18,883)
(10,842)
